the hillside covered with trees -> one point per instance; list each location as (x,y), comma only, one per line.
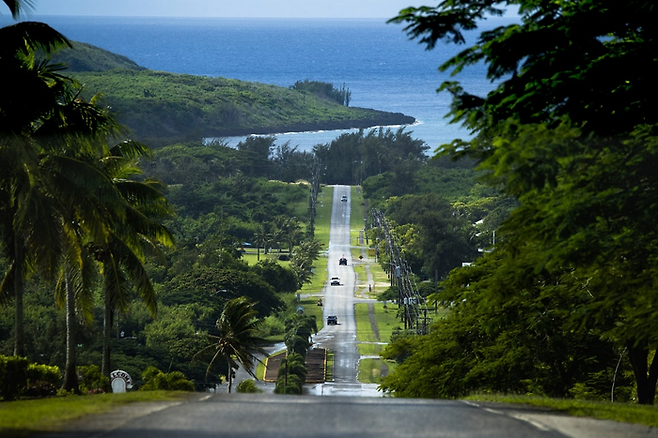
(161,108)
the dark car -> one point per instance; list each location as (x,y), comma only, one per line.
(342,261)
(332,320)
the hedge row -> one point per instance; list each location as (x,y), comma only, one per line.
(19,377)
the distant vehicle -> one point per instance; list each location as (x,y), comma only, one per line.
(335,281)
(332,320)
(342,261)
(343,198)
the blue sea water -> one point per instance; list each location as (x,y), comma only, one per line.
(382,68)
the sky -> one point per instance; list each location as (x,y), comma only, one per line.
(228,8)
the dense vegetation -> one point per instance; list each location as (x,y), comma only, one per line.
(564,304)
(340,95)
(160,108)
(83,57)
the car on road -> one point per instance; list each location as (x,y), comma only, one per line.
(343,198)
(335,281)
(332,320)
(342,261)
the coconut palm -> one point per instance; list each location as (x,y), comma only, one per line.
(136,232)
(83,195)
(33,91)
(237,340)
(16,6)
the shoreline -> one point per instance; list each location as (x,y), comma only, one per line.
(304,140)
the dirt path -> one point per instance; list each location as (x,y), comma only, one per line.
(373,322)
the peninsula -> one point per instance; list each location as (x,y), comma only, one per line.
(161,108)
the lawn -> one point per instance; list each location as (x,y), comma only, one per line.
(26,417)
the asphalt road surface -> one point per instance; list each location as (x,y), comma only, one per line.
(339,301)
(353,410)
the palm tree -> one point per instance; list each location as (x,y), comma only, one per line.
(27,227)
(238,339)
(299,330)
(117,223)
(83,195)
(16,6)
(136,232)
(261,238)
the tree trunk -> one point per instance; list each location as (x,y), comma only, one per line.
(646,375)
(19,286)
(107,334)
(230,376)
(70,371)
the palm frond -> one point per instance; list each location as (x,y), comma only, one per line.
(115,283)
(18,6)
(29,36)
(7,285)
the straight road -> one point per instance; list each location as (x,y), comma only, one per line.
(355,410)
(339,301)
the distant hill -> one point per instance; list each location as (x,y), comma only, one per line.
(162,108)
(87,58)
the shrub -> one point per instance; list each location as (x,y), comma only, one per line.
(154,380)
(92,381)
(272,326)
(248,386)
(42,380)
(13,376)
(43,373)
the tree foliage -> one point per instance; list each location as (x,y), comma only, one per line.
(353,157)
(569,131)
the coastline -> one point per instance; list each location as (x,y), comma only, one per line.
(304,141)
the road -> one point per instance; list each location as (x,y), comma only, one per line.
(353,410)
(339,301)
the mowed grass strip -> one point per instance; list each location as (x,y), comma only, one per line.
(26,417)
(370,370)
(369,349)
(322,228)
(323,215)
(364,331)
(622,412)
(386,319)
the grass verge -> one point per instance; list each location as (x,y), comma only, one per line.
(330,366)
(323,215)
(622,412)
(26,417)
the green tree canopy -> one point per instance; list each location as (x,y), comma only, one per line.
(570,131)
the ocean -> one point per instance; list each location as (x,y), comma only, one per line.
(376,61)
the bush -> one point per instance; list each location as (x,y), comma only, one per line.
(42,380)
(43,373)
(154,380)
(248,386)
(13,376)
(92,381)
(272,326)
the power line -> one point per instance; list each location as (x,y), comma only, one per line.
(414,313)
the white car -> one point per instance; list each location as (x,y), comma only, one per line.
(335,281)
(343,198)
